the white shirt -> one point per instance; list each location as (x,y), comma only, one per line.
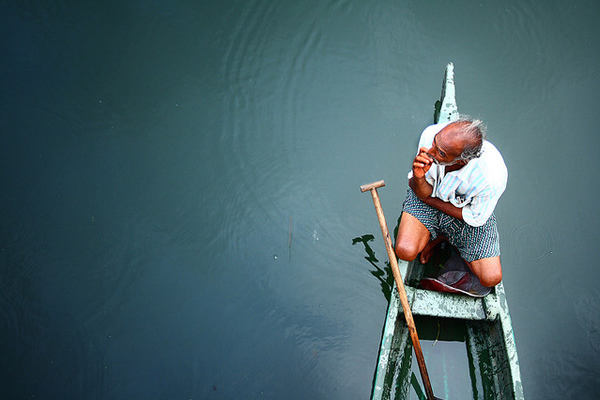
(476,187)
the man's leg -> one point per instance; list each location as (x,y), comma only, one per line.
(427,252)
(412,237)
(488,270)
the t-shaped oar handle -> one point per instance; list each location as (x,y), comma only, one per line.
(373,185)
(400,285)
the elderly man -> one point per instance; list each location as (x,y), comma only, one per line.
(456,181)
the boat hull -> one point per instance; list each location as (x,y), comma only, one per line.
(484,322)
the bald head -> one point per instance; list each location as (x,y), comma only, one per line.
(470,134)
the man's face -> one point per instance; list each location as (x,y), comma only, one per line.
(446,148)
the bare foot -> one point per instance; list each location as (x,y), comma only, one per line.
(429,247)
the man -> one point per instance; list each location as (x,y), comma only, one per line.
(456,181)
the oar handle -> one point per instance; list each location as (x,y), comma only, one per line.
(400,285)
(371,186)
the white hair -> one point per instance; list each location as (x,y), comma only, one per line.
(474,132)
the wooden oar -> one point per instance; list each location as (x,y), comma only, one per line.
(400,285)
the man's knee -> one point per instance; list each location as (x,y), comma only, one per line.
(491,279)
(406,251)
(489,271)
(412,237)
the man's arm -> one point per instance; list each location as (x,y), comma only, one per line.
(445,207)
(423,189)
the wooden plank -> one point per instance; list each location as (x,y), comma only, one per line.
(436,304)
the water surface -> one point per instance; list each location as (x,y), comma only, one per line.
(180,188)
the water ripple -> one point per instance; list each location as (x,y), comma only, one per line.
(19,319)
(45,351)
(270,60)
(20,226)
(532,243)
(536,40)
(587,309)
(120,268)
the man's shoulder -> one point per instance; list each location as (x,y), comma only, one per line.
(492,156)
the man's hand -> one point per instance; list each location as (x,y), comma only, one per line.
(418,183)
(421,163)
(423,190)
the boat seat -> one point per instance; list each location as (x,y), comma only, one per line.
(448,305)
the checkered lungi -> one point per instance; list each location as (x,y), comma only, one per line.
(473,242)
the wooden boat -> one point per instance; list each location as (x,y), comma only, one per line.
(483,324)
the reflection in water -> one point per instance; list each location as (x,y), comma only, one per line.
(416,385)
(383,275)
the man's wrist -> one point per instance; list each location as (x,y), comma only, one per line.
(428,200)
(420,187)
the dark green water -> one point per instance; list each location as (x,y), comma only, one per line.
(180,188)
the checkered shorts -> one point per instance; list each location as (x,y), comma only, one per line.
(472,242)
